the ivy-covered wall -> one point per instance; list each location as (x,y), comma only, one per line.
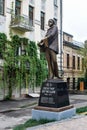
(22,67)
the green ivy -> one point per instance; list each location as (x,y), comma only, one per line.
(22,70)
(3,40)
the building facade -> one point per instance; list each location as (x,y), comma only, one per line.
(72,61)
(29,18)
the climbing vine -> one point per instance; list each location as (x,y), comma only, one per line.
(22,66)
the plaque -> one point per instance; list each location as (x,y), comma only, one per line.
(54,94)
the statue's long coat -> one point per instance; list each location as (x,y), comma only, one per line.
(52,34)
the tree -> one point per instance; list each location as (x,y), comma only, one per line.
(83,52)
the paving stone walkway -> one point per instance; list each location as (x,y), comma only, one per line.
(76,123)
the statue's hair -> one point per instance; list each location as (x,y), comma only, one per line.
(52,20)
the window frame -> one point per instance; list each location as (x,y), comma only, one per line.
(31,15)
(78,63)
(68,61)
(2,4)
(73,62)
(17,8)
(42,21)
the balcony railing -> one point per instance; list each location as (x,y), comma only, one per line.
(21,23)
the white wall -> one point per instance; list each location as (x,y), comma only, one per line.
(37,34)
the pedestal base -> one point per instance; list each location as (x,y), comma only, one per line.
(53,113)
(53,102)
(54,94)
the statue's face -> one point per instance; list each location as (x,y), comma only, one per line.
(50,23)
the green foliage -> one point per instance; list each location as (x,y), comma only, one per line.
(38,66)
(20,127)
(31,50)
(6,98)
(85,79)
(3,40)
(15,41)
(24,69)
(81,110)
(83,52)
(42,72)
(31,123)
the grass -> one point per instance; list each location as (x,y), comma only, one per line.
(19,127)
(81,110)
(31,123)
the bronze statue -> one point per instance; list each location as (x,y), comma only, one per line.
(50,46)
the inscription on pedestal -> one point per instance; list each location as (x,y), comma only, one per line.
(54,94)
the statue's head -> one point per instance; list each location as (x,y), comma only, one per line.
(51,22)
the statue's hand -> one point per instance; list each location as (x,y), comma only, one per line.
(45,41)
(40,44)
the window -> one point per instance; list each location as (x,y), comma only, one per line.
(68,83)
(67,60)
(23,50)
(17,51)
(2,7)
(78,63)
(31,13)
(73,62)
(42,20)
(18,7)
(55,2)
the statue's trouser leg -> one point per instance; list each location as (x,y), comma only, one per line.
(48,58)
(54,63)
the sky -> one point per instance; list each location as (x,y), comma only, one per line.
(75,19)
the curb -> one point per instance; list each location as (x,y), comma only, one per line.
(19,108)
(9,110)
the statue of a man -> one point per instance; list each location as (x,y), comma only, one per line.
(51,49)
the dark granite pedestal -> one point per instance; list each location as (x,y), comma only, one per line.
(54,94)
(53,102)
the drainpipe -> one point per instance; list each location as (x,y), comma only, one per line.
(60,57)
